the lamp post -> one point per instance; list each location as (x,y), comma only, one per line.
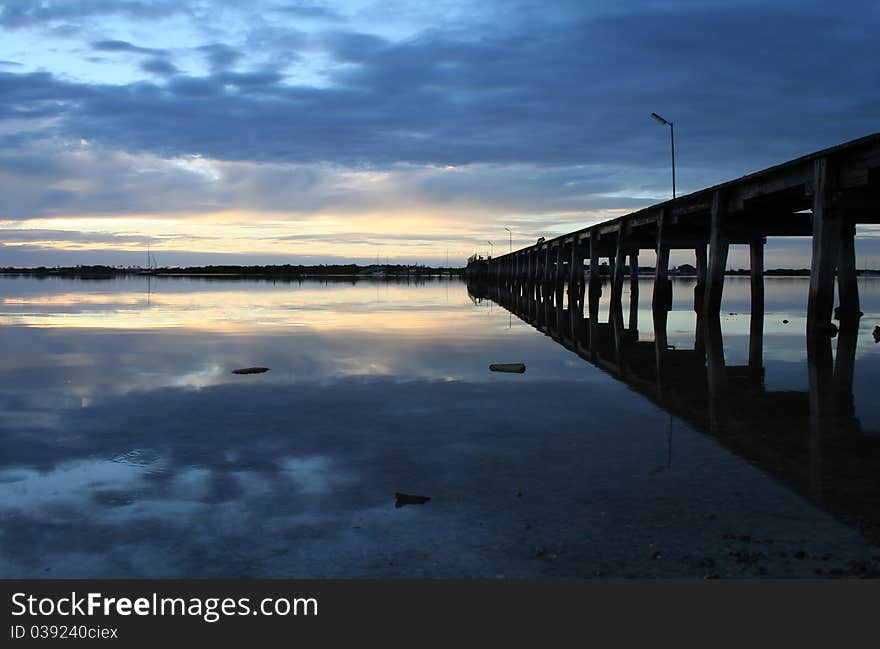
(510,240)
(672,140)
(491,249)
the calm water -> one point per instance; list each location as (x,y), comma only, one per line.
(130,449)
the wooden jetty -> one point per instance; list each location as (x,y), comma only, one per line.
(823,195)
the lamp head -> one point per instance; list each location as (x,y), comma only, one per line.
(659,119)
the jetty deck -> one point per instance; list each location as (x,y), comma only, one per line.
(823,195)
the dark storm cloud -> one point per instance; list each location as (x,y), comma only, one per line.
(565,99)
(546,95)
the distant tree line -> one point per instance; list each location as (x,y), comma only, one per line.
(285,270)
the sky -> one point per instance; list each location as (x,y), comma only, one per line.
(284,131)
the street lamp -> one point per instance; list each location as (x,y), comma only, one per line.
(491,248)
(672,139)
(510,242)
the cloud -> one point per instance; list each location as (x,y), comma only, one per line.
(29,13)
(547,96)
(124,46)
(161,67)
(513,111)
(307,10)
(20,235)
(221,56)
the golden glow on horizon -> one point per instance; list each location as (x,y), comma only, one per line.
(414,235)
(388,311)
(322,235)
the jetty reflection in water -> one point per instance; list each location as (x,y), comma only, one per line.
(810,440)
(129,449)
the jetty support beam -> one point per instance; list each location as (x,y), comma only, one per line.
(719,245)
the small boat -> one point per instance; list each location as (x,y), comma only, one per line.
(516,368)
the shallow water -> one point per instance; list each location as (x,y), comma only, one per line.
(130,449)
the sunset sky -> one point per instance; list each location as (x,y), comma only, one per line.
(275,131)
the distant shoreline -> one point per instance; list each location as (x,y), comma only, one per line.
(337,272)
(351,271)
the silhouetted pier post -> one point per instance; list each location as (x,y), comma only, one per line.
(576,272)
(700,335)
(700,288)
(533,269)
(827,230)
(557,274)
(719,244)
(547,262)
(615,315)
(662,294)
(756,271)
(595,293)
(756,318)
(539,266)
(847,278)
(595,279)
(634,290)
(617,270)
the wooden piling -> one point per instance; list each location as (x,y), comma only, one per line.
(826,238)
(719,244)
(700,288)
(756,324)
(661,298)
(595,293)
(576,273)
(847,278)
(634,290)
(617,271)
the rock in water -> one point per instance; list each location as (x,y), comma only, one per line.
(407,499)
(516,368)
(251,370)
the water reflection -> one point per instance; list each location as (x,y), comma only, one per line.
(810,440)
(128,447)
